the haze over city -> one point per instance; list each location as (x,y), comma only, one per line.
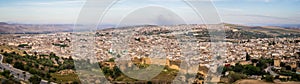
(230,11)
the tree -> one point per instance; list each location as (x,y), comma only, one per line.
(35,53)
(19,65)
(238,68)
(235,76)
(6,74)
(288,67)
(52,54)
(48,76)
(116,72)
(254,60)
(24,75)
(32,71)
(8,60)
(70,58)
(13,53)
(269,78)
(107,71)
(35,79)
(26,67)
(24,52)
(263,63)
(282,64)
(111,60)
(248,57)
(252,70)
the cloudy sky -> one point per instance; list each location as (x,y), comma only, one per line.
(230,11)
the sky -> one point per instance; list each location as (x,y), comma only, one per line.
(135,11)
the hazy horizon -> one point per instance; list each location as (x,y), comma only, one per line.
(230,11)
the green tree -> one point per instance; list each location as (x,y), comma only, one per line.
(282,64)
(269,78)
(52,54)
(8,60)
(252,70)
(116,72)
(32,71)
(48,76)
(254,60)
(288,67)
(238,67)
(35,53)
(235,76)
(35,79)
(19,65)
(24,52)
(6,74)
(107,71)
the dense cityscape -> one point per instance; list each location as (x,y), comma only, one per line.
(270,55)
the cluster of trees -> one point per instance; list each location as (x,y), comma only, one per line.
(112,73)
(35,79)
(242,71)
(6,74)
(241,34)
(39,65)
(60,45)
(295,77)
(7,78)
(155,32)
(251,69)
(246,34)
(23,45)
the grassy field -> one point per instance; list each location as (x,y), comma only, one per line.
(7,48)
(66,78)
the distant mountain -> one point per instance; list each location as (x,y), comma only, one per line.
(6,28)
(295,26)
(16,28)
(246,31)
(3,23)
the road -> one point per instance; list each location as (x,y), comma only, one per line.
(17,73)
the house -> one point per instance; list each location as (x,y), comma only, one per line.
(277,62)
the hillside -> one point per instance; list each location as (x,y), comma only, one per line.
(232,30)
(30,28)
(260,31)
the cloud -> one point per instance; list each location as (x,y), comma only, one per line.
(267,0)
(52,3)
(231,9)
